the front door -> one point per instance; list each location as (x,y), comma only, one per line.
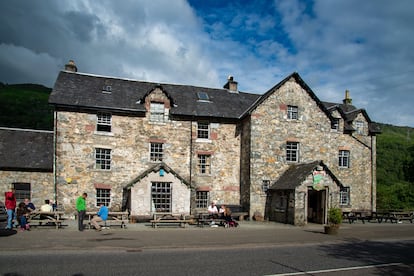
(316,206)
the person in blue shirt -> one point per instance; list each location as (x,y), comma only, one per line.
(102,215)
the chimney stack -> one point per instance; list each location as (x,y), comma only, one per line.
(231,85)
(347,99)
(71,66)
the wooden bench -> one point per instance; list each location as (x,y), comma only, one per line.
(114,219)
(169,219)
(39,218)
(399,216)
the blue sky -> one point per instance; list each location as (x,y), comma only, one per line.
(335,45)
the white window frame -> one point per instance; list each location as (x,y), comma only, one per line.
(157,111)
(103,196)
(203,130)
(202,199)
(344,158)
(345,196)
(104,122)
(161,196)
(204,163)
(292,151)
(156,152)
(103,159)
(292,112)
(359,127)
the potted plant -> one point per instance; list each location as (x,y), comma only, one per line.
(334,221)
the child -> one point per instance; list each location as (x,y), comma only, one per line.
(22,216)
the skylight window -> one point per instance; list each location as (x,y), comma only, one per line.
(203,96)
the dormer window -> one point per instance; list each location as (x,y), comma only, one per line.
(292,112)
(107,89)
(157,111)
(359,127)
(335,124)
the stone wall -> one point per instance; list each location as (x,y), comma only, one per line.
(271,130)
(41,184)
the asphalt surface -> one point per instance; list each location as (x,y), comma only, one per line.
(140,236)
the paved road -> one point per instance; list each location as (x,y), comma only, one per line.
(252,249)
(250,234)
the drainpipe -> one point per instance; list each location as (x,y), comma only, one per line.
(191,166)
(54,154)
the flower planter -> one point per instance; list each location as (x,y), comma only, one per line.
(331,229)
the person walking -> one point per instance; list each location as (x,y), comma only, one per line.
(81,208)
(10,202)
(102,215)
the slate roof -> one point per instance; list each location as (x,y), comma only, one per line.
(297,173)
(349,113)
(26,150)
(84,91)
(156,168)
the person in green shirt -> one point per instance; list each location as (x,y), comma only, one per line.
(81,208)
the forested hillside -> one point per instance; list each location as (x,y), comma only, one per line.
(26,106)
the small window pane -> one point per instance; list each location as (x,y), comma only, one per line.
(203,130)
(103,159)
(156,152)
(202,199)
(103,196)
(292,151)
(204,164)
(344,196)
(265,185)
(22,191)
(292,112)
(161,196)
(104,122)
(344,159)
(157,112)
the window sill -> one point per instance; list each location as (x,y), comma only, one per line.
(201,140)
(104,133)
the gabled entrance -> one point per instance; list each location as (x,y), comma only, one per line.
(316,206)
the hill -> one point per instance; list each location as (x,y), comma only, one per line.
(26,106)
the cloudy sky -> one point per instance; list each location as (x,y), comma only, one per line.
(366,46)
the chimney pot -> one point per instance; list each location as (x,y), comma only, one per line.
(347,99)
(231,85)
(70,66)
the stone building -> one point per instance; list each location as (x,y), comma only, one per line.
(150,147)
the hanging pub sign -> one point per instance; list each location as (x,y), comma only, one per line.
(317,179)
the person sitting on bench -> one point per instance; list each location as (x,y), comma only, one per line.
(102,215)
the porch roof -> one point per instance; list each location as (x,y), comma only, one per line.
(156,168)
(297,173)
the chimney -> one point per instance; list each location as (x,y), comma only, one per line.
(231,85)
(71,66)
(347,99)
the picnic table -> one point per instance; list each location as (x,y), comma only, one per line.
(380,216)
(206,219)
(114,219)
(170,219)
(39,218)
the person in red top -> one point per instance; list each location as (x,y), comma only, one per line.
(10,202)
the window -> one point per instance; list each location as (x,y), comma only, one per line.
(292,152)
(157,112)
(102,159)
(203,96)
(103,196)
(344,159)
(359,127)
(203,130)
(156,152)
(292,112)
(161,196)
(202,199)
(204,164)
(265,185)
(22,191)
(104,121)
(344,196)
(335,124)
